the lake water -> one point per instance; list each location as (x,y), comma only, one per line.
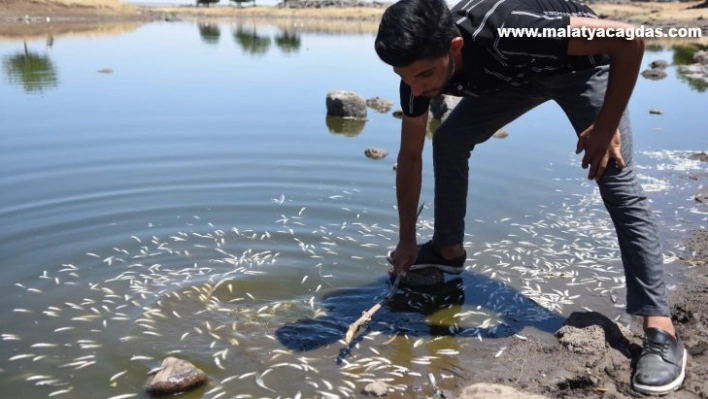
(196,202)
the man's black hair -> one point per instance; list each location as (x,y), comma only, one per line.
(412,30)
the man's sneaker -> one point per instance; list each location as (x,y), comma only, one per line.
(429,258)
(661,367)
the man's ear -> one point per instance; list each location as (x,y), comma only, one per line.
(456,45)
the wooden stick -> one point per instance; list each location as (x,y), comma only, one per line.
(366,316)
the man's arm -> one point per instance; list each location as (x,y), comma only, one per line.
(601,140)
(408,184)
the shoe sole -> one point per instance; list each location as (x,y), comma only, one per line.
(664,389)
(443,268)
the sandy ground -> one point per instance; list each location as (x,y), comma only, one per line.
(593,356)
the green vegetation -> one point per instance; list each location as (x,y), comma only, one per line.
(207,2)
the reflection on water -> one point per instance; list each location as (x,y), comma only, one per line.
(683,55)
(349,127)
(288,41)
(35,72)
(250,41)
(209,32)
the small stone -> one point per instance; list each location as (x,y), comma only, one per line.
(375,153)
(395,166)
(496,391)
(501,134)
(655,111)
(379,104)
(398,114)
(654,74)
(176,376)
(105,70)
(376,388)
(659,64)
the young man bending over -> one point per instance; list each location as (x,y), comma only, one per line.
(459,51)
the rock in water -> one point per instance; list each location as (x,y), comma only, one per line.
(375,153)
(345,104)
(441,106)
(501,134)
(176,376)
(381,105)
(654,73)
(376,388)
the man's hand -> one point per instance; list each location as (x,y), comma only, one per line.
(599,149)
(403,257)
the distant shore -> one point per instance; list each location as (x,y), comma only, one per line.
(678,14)
(38,18)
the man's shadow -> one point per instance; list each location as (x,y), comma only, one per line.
(459,306)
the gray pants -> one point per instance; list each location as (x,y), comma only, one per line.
(580,94)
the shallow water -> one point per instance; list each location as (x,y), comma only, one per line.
(195,202)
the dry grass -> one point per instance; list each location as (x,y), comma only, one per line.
(100,4)
(311,25)
(640,12)
(45,31)
(65,8)
(359,13)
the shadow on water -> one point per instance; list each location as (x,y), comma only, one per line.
(34,71)
(434,311)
